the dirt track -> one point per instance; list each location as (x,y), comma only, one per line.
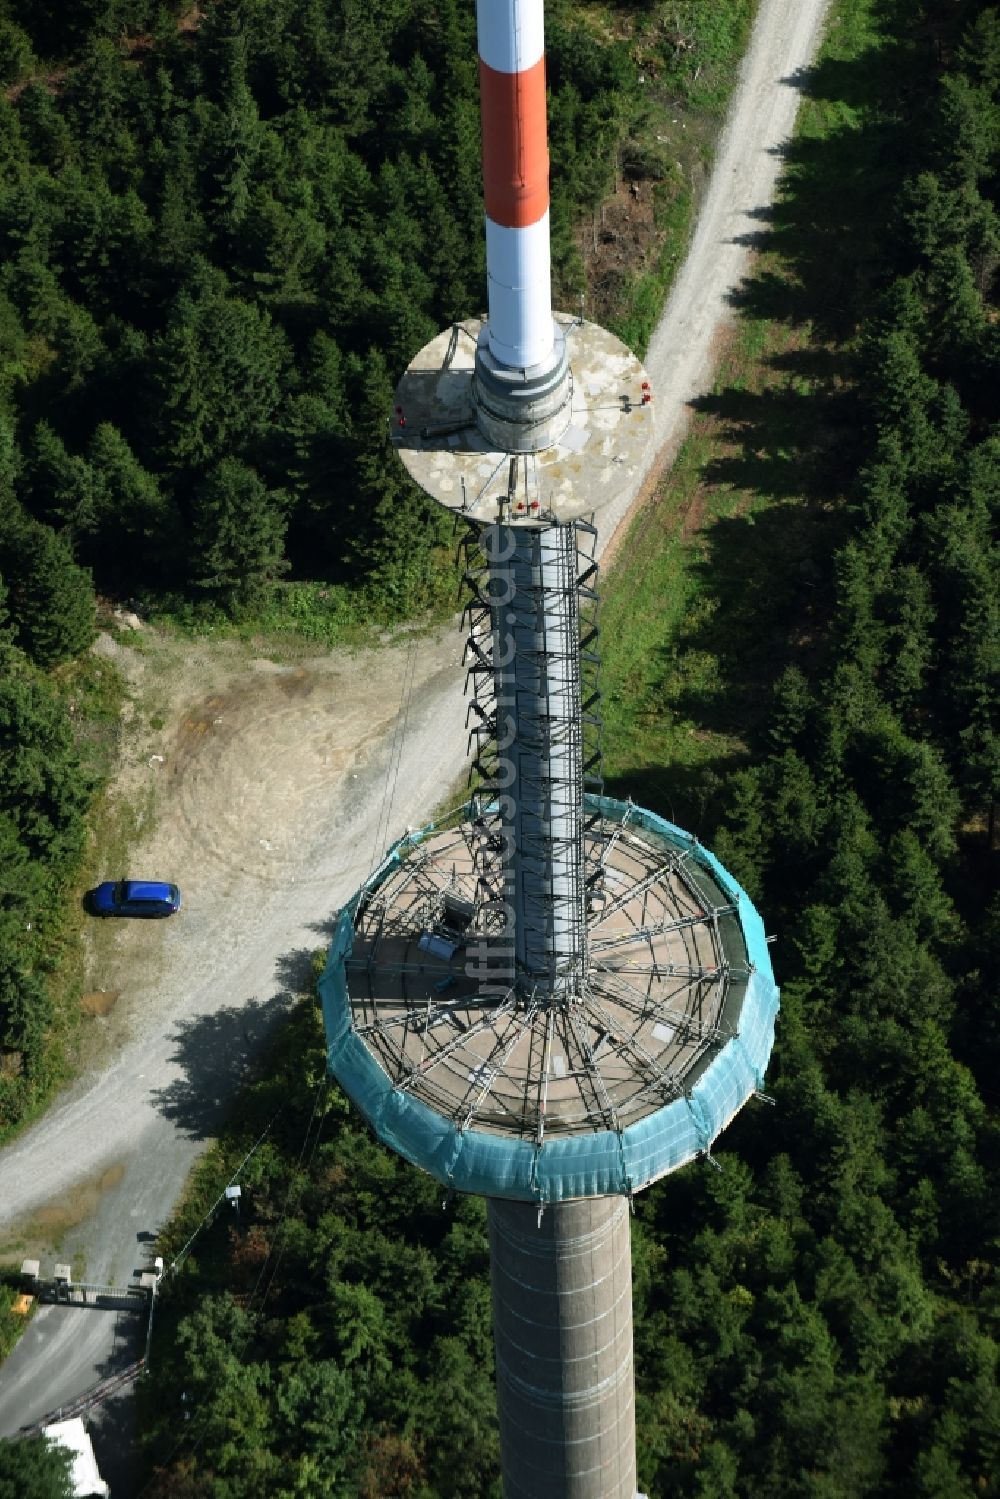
(272,796)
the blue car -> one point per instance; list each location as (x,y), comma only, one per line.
(135,898)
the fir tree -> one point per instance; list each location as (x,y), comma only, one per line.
(237,530)
(51,599)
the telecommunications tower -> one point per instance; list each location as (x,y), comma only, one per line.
(563,997)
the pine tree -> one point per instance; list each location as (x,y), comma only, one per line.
(217,374)
(47,134)
(237,534)
(43,789)
(791,707)
(180,233)
(232,140)
(913,881)
(34,1468)
(17,59)
(60,486)
(796,811)
(25,1009)
(136,525)
(94,100)
(393,531)
(51,599)
(910,637)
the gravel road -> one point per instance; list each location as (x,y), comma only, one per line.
(276,789)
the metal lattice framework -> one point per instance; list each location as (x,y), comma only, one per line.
(532,669)
(556,968)
(665,974)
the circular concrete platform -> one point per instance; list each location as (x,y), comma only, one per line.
(601,446)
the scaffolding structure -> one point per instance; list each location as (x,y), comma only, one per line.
(551,1002)
(501,1089)
(531,715)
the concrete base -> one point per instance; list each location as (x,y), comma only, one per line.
(582,454)
(562,1325)
(522,411)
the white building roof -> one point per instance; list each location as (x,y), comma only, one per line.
(87,1481)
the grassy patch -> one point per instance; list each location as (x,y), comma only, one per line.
(321,614)
(94,694)
(694,600)
(649,598)
(698,50)
(639,303)
(310,614)
(97,695)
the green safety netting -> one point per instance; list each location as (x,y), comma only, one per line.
(593,1164)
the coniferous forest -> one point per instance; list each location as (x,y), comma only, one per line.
(193,381)
(221,240)
(224,230)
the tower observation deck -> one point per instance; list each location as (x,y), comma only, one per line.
(558,998)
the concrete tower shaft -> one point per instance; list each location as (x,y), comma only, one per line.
(562,1326)
(534,616)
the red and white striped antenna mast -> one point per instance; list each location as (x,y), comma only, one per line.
(516,181)
(522,385)
(521,381)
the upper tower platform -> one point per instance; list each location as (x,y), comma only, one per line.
(521,416)
(570,461)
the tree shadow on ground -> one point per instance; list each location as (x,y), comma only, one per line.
(296,970)
(112,1423)
(216,1055)
(769,582)
(834,212)
(113,1433)
(797,436)
(688,795)
(111,1419)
